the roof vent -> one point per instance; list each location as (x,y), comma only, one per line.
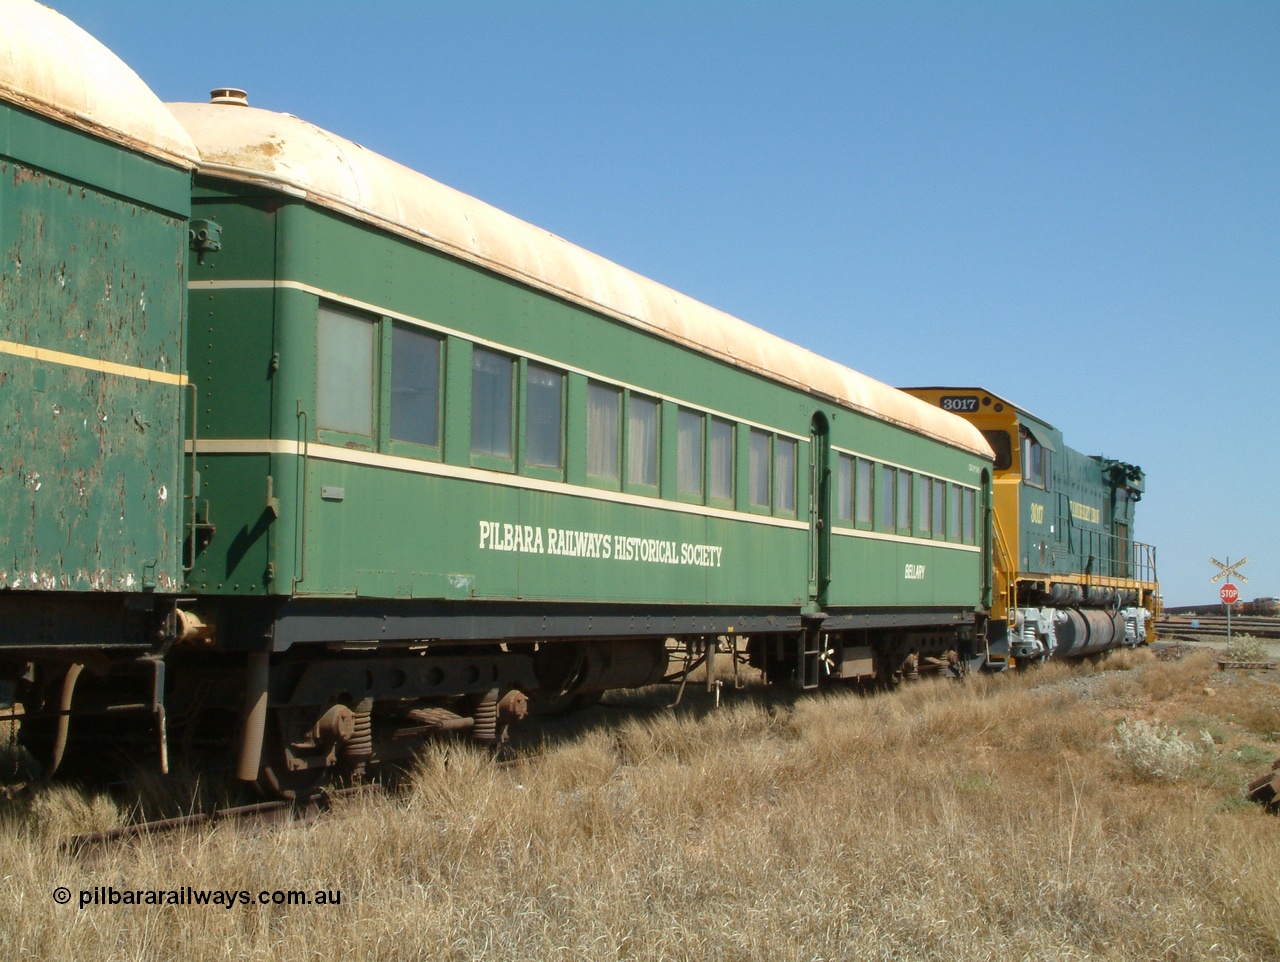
(229,95)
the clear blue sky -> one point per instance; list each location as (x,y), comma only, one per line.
(1075,205)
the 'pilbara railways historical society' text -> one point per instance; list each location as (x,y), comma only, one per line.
(529,539)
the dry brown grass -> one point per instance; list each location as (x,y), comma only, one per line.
(992,819)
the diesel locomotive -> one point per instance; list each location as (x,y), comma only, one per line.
(1069,578)
(305,456)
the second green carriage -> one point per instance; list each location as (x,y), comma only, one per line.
(424,421)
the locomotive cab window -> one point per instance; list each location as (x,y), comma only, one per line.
(1035,462)
(345,372)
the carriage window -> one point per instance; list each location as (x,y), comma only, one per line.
(491,396)
(888,484)
(602,431)
(953,513)
(904,500)
(544,399)
(969,499)
(642,440)
(924,506)
(721,460)
(415,386)
(939,493)
(862,491)
(785,453)
(844,510)
(344,371)
(689,454)
(760,467)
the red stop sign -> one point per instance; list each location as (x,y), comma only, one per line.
(1229,594)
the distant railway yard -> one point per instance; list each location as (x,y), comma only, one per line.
(1198,627)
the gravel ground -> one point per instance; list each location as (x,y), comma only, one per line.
(1219,644)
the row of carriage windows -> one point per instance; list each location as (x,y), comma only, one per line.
(623,437)
(518,413)
(908,502)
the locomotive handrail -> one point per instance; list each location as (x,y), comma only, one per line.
(1146,567)
(1108,556)
(1002,547)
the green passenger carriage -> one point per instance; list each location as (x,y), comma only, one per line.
(444,444)
(305,455)
(94,199)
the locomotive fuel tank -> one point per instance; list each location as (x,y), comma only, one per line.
(1074,632)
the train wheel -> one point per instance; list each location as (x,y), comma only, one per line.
(285,772)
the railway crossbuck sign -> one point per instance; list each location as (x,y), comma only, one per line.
(1229,593)
(1228,569)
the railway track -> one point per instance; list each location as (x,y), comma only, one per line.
(1215,626)
(528,743)
(270,813)
(532,740)
(265,814)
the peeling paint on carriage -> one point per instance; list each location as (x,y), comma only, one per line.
(92,314)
